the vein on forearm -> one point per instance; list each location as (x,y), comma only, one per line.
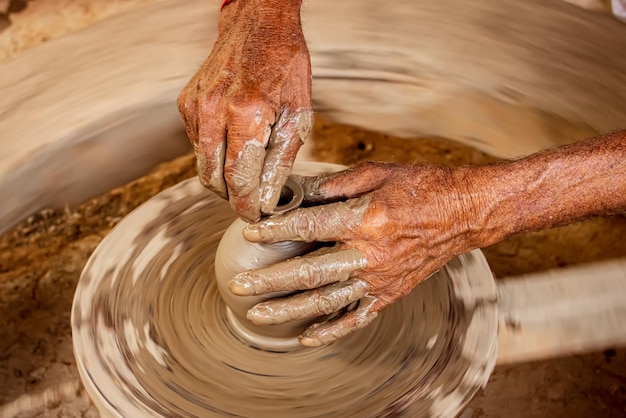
(552,188)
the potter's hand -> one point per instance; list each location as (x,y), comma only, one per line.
(402,223)
(247,110)
(399,225)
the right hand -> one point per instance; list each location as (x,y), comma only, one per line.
(393,226)
(248,109)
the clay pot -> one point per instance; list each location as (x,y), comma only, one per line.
(235,255)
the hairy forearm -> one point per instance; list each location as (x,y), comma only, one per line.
(548,189)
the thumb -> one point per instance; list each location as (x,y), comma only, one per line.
(348,184)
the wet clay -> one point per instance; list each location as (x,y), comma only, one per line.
(235,255)
(151,336)
(287,136)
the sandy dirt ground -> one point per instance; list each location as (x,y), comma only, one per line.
(41,260)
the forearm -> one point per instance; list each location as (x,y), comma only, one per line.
(548,189)
(279,14)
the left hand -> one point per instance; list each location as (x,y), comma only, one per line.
(394,225)
(247,110)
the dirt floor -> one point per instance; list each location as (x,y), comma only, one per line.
(41,260)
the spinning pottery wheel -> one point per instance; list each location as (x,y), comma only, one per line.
(152,336)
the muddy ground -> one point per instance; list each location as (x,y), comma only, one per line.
(40,263)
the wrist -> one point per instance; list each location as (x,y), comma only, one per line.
(546,189)
(275,9)
(478,195)
(511,197)
(281,13)
(285,2)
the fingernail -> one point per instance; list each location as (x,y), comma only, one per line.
(241,286)
(310,342)
(252,233)
(260,315)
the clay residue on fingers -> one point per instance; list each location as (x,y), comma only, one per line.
(212,179)
(306,272)
(242,178)
(312,304)
(288,135)
(332,222)
(311,187)
(243,173)
(326,333)
(350,183)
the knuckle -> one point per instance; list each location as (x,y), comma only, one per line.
(361,320)
(325,305)
(260,284)
(297,124)
(313,187)
(241,182)
(308,275)
(184,100)
(305,226)
(243,172)
(187,101)
(188,114)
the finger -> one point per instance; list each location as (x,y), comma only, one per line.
(332,222)
(307,272)
(206,133)
(347,184)
(322,334)
(249,130)
(288,135)
(188,109)
(210,151)
(311,304)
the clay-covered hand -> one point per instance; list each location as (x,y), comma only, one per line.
(248,110)
(393,225)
